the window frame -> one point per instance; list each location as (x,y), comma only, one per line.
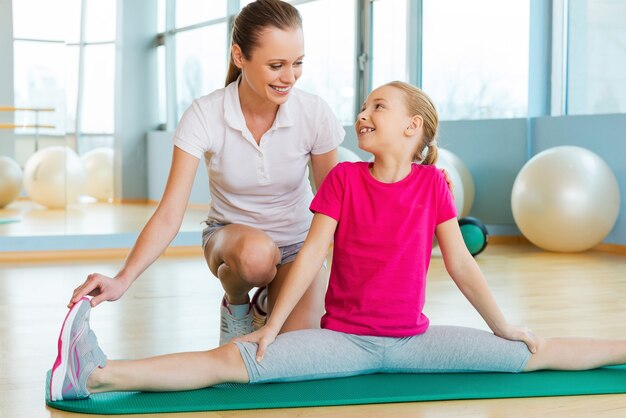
(547,84)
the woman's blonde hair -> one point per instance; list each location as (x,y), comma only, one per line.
(418,103)
(252,20)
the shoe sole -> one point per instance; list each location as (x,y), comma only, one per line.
(259,315)
(59,370)
(255,300)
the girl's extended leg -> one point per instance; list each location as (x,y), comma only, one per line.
(459,349)
(453,349)
(576,354)
(313,354)
(171,372)
(81,367)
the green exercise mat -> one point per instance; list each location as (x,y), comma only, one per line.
(366,389)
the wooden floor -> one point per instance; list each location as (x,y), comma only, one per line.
(174,307)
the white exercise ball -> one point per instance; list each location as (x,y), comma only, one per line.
(467,182)
(443,161)
(347,155)
(565,199)
(54,177)
(98,164)
(10,180)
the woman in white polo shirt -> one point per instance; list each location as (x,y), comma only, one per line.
(256,136)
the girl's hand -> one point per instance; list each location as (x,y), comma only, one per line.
(514,333)
(101,287)
(263,337)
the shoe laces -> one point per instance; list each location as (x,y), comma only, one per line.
(239,326)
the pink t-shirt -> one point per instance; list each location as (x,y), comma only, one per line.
(382,247)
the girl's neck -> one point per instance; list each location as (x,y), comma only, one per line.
(390,170)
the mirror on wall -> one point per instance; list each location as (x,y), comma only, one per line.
(59,144)
(57,115)
(33,143)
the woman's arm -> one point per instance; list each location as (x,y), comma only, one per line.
(470,280)
(308,262)
(154,238)
(322,164)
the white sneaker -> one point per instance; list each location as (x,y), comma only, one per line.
(235,321)
(259,308)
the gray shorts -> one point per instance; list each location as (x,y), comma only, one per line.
(321,354)
(287,253)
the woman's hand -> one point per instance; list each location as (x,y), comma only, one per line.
(513,333)
(449,181)
(101,288)
(263,337)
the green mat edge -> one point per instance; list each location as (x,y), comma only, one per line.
(86,405)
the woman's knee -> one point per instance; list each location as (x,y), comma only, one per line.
(255,259)
(248,253)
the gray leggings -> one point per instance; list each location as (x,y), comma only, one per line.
(322,354)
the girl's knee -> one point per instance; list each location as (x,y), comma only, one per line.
(229,364)
(538,360)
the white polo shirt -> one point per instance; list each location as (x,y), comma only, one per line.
(265,186)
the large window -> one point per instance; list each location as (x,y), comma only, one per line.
(329,63)
(63,103)
(194,59)
(38,19)
(192,55)
(596,76)
(389,49)
(475,57)
(39,82)
(91,74)
(191,12)
(200,63)
(64,58)
(39,72)
(98,88)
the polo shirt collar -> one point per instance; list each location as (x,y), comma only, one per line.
(234,116)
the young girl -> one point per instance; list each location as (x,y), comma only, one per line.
(382,216)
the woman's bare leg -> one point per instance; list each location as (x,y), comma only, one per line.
(242,258)
(172,372)
(576,354)
(309,310)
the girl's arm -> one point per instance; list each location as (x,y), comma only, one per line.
(470,280)
(154,238)
(322,164)
(308,262)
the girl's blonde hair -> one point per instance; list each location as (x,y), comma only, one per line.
(418,103)
(250,23)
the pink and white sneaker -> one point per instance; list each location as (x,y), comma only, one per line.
(79,355)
